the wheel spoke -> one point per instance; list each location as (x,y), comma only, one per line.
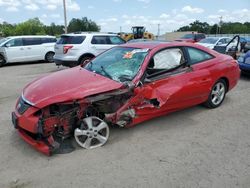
(101,138)
(79,132)
(89,122)
(214,92)
(87,143)
(215,99)
(101,126)
(222,90)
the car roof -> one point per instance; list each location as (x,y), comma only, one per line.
(32,36)
(89,33)
(158,44)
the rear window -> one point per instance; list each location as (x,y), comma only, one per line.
(71,39)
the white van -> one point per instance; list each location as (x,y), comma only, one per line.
(26,49)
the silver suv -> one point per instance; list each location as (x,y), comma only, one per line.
(75,48)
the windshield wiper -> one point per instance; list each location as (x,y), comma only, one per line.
(106,73)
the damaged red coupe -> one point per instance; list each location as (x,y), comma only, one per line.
(123,86)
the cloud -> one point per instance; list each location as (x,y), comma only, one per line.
(238,15)
(12,9)
(194,10)
(73,6)
(164,16)
(51,7)
(144,1)
(32,7)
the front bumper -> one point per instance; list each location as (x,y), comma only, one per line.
(27,129)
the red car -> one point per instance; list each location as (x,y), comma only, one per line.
(192,37)
(123,86)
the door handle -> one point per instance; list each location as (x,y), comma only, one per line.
(21,48)
(29,48)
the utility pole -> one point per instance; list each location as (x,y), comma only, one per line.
(158,34)
(65,17)
(220,24)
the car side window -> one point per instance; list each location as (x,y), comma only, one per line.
(15,42)
(197,55)
(116,40)
(32,41)
(100,40)
(167,59)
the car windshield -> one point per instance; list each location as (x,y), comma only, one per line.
(209,40)
(188,36)
(120,63)
(3,40)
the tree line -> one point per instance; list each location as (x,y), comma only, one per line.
(222,28)
(35,27)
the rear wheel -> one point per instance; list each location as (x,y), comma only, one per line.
(84,60)
(2,61)
(217,94)
(49,57)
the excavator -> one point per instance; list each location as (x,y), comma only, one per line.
(138,32)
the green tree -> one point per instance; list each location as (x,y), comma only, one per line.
(31,27)
(83,24)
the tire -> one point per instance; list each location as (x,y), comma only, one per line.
(49,57)
(217,94)
(83,60)
(2,61)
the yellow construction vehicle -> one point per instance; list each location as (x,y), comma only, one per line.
(138,32)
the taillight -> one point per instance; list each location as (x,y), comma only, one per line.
(66,49)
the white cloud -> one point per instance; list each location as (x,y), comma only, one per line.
(32,7)
(12,9)
(190,9)
(51,7)
(144,1)
(164,16)
(73,6)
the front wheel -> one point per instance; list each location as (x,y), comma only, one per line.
(93,133)
(217,94)
(2,61)
(84,60)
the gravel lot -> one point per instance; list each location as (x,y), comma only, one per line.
(192,148)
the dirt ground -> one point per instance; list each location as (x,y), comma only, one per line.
(192,148)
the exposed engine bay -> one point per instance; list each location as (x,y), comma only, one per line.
(86,119)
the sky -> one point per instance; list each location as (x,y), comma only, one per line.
(116,15)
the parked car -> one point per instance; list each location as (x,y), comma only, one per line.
(75,48)
(123,86)
(244,63)
(26,49)
(245,44)
(232,48)
(192,37)
(211,42)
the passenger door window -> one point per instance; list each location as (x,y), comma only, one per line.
(32,41)
(196,55)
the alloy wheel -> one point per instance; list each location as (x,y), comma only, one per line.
(93,133)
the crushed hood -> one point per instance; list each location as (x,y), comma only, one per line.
(66,85)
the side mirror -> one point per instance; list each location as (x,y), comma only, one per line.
(7,45)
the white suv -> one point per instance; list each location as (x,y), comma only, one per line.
(26,49)
(75,48)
